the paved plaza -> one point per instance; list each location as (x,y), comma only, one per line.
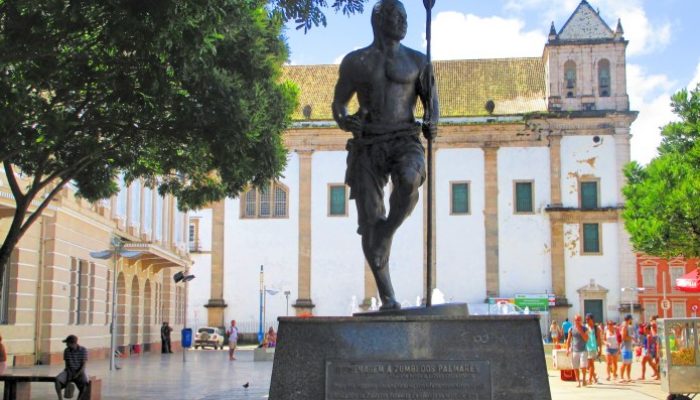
(208,375)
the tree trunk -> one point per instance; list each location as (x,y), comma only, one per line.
(11,240)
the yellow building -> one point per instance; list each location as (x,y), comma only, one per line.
(52,287)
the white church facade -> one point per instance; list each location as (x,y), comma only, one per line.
(528,176)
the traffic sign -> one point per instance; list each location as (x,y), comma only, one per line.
(694,307)
(666,304)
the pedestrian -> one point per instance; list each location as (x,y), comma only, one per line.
(232,333)
(75,357)
(626,348)
(165,330)
(555,333)
(270,340)
(566,327)
(649,352)
(576,341)
(3,357)
(593,347)
(612,349)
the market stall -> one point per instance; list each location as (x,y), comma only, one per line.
(679,358)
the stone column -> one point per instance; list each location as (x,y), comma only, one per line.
(628,267)
(303,303)
(559,311)
(491,218)
(555,168)
(216,305)
(556,226)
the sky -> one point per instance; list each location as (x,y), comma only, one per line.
(663,55)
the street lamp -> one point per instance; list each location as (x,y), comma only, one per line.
(262,290)
(634,290)
(114,253)
(286,296)
(182,277)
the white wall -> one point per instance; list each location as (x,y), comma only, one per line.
(525,263)
(199,290)
(581,156)
(580,269)
(205,227)
(461,256)
(250,243)
(337,270)
(337,262)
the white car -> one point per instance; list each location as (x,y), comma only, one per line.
(209,336)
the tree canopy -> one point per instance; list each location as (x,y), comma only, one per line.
(662,212)
(185,95)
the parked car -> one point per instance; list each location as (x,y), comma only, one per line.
(209,336)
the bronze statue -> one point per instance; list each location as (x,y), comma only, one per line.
(388,79)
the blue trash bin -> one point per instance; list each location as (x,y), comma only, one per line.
(187,337)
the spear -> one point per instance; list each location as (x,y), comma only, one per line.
(429,4)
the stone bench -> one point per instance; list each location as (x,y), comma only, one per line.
(18,385)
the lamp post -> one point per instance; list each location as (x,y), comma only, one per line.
(183,277)
(114,253)
(635,290)
(262,290)
(286,297)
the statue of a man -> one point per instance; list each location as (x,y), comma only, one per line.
(388,79)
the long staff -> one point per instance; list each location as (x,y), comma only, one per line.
(428,115)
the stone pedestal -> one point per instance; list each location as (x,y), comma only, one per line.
(410,357)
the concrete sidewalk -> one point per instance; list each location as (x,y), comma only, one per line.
(209,375)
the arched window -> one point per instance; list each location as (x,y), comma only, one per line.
(268,201)
(570,78)
(604,78)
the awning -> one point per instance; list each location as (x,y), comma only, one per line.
(689,282)
(156,257)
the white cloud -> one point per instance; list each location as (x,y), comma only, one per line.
(644,36)
(696,79)
(458,36)
(549,10)
(650,95)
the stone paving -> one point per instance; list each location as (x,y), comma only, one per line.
(208,375)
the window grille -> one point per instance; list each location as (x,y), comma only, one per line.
(459,202)
(589,195)
(523,197)
(591,238)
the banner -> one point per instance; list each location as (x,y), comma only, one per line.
(534,302)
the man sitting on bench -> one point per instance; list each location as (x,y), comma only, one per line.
(75,357)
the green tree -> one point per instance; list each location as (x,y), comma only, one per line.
(184,94)
(662,212)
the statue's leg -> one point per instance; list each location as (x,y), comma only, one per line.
(385,288)
(368,192)
(407,175)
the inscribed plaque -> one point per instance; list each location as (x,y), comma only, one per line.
(408,380)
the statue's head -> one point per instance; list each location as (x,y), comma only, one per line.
(389,19)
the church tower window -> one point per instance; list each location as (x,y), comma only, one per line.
(604,78)
(570,78)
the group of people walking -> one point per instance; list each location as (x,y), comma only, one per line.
(585,340)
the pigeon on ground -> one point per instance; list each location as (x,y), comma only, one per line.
(245,385)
